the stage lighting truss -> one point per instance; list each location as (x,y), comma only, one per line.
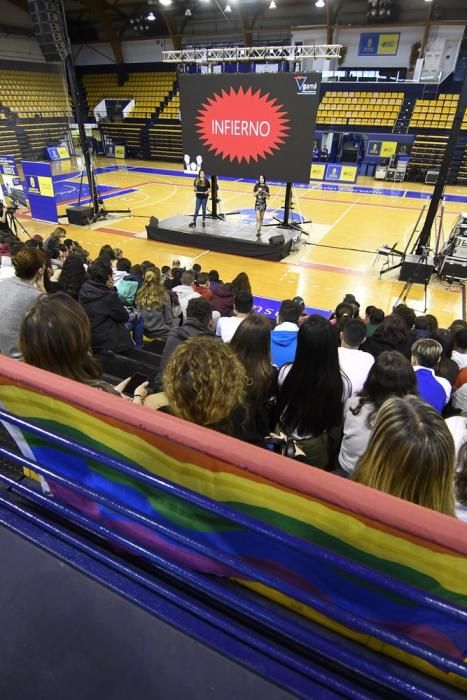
(252,53)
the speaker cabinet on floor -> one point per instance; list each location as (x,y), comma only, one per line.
(277,240)
(80,216)
(417,268)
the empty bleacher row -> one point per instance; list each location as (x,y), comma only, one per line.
(360,108)
(165,141)
(149,90)
(28,94)
(435,114)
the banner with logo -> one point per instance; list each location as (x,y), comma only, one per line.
(40,189)
(57,153)
(9,175)
(331,172)
(381,149)
(378,44)
(245,125)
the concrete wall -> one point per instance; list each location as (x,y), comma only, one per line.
(143,51)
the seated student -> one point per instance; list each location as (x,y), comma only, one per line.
(196,269)
(184,291)
(128,286)
(459,354)
(227,325)
(153,304)
(375,317)
(107,315)
(391,375)
(52,243)
(391,334)
(122,268)
(311,394)
(284,335)
(251,343)
(222,295)
(198,322)
(201,285)
(72,276)
(56,336)
(447,368)
(17,293)
(410,455)
(205,383)
(426,354)
(354,363)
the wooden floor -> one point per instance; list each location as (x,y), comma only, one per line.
(347,226)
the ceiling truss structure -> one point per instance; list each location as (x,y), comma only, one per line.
(253,53)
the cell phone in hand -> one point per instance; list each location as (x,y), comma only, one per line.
(136,380)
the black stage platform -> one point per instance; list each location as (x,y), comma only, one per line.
(230,236)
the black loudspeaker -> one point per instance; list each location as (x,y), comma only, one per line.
(154,221)
(277,240)
(80,216)
(417,268)
(48,19)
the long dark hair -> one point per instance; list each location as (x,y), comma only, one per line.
(72,276)
(460,480)
(310,399)
(252,345)
(241,283)
(55,335)
(391,375)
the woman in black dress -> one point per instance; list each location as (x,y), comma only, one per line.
(261,193)
(202,187)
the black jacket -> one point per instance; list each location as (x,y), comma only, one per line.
(378,344)
(107,316)
(190,329)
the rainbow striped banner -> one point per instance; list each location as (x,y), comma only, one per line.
(420,551)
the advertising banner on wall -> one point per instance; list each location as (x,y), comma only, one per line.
(40,189)
(9,175)
(246,124)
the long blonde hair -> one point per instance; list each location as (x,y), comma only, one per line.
(411,455)
(204,382)
(152,294)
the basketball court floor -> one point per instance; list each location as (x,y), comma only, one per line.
(348,224)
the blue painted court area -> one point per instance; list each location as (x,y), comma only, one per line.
(69,191)
(270,308)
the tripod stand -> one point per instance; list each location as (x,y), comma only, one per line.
(14,223)
(287,222)
(427,271)
(216,203)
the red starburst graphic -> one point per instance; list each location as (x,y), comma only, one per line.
(242,125)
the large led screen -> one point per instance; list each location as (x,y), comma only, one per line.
(246,124)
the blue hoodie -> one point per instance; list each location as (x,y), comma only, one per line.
(284,343)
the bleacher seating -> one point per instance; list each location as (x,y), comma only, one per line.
(379,109)
(165,141)
(427,154)
(434,114)
(9,142)
(147,89)
(127,133)
(31,93)
(171,110)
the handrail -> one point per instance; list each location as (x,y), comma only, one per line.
(250,571)
(221,511)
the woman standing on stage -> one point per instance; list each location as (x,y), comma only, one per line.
(261,193)
(202,187)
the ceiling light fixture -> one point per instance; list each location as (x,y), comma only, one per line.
(319,3)
(228,8)
(272,5)
(166,3)
(151,16)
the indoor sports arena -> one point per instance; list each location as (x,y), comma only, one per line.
(248,219)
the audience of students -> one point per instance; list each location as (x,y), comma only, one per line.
(343,390)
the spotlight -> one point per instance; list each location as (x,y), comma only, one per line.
(319,3)
(166,3)
(187,12)
(272,5)
(227,8)
(151,16)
